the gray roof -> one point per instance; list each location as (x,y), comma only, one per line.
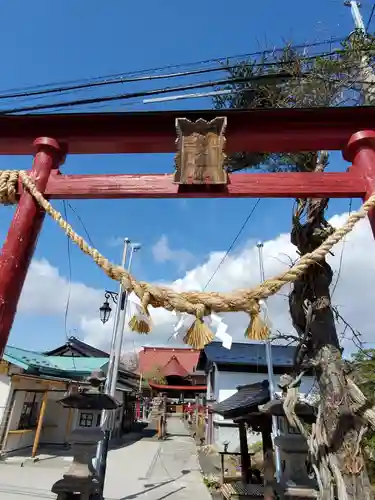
(245,353)
(244,401)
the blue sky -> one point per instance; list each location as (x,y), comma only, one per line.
(44,42)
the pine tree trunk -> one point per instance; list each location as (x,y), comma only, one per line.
(342,430)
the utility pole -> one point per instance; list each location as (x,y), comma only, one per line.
(366,74)
(268,346)
(356,14)
(113,366)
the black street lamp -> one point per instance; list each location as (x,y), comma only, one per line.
(105,309)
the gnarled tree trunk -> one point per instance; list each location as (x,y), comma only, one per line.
(335,442)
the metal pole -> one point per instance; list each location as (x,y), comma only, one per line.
(116,323)
(102,449)
(366,76)
(121,326)
(275,430)
(356,14)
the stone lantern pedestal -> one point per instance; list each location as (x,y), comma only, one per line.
(295,482)
(294,453)
(81,480)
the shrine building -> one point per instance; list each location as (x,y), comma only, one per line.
(173,371)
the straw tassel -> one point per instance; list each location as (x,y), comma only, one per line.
(257,329)
(198,335)
(140,324)
(141,320)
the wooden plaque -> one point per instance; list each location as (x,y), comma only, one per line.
(200,151)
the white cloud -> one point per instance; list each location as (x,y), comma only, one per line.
(115,242)
(46,293)
(46,290)
(162,252)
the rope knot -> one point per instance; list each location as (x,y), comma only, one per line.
(199,311)
(8,187)
(257,329)
(199,335)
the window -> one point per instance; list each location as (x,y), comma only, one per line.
(98,419)
(29,416)
(29,412)
(86,419)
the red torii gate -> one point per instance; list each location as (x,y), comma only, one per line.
(351,130)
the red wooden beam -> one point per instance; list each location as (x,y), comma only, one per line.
(197,388)
(277,185)
(154,132)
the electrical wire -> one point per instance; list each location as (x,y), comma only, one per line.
(132,95)
(370,17)
(180,65)
(166,90)
(342,253)
(69,284)
(233,243)
(144,93)
(180,74)
(79,218)
(96,100)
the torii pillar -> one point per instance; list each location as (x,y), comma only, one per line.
(19,246)
(360,150)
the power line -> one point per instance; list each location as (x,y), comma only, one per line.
(180,74)
(144,93)
(79,218)
(224,60)
(166,90)
(80,102)
(342,253)
(67,305)
(233,243)
(370,17)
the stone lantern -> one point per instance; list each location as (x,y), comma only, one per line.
(81,480)
(295,482)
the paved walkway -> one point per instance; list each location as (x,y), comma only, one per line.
(146,469)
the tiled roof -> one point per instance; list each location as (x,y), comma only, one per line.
(52,364)
(244,401)
(158,357)
(81,348)
(174,367)
(246,353)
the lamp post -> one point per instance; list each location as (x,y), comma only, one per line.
(268,346)
(105,310)
(120,300)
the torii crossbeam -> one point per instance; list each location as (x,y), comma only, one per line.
(351,130)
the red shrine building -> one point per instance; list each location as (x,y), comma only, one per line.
(176,368)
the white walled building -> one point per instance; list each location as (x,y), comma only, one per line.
(32,383)
(227,369)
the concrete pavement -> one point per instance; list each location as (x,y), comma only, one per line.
(147,469)
(155,470)
(27,483)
